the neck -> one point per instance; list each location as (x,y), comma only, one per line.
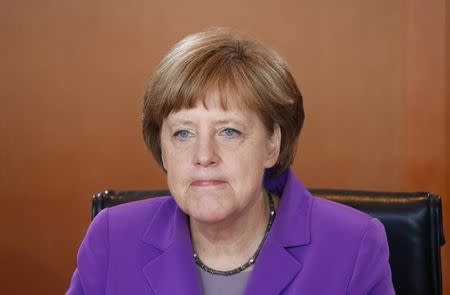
(229,244)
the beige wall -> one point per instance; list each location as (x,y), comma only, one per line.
(72,75)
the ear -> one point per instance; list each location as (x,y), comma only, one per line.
(163,161)
(273,147)
(161,146)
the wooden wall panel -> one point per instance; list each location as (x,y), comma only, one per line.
(446,199)
(73,73)
(425,99)
(427,147)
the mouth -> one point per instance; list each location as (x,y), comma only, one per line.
(203,183)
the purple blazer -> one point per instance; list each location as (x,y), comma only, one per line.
(315,246)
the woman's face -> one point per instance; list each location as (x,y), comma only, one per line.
(215,159)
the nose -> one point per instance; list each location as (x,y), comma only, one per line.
(205,154)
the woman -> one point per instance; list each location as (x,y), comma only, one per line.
(222,116)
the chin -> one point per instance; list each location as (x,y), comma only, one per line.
(209,204)
(208,217)
(210,212)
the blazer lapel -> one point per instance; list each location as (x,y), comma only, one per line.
(174,270)
(275,267)
(273,271)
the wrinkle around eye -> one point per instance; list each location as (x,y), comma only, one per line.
(183,134)
(230,132)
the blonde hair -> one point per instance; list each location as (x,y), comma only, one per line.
(242,72)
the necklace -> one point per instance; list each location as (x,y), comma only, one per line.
(252,259)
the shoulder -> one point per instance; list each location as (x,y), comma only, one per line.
(355,243)
(335,219)
(112,239)
(130,220)
(321,217)
(136,215)
(349,231)
(139,209)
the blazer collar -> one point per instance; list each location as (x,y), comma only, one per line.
(294,209)
(174,270)
(275,268)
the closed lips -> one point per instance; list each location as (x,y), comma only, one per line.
(207,182)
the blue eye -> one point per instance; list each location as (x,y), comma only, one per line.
(182,134)
(230,132)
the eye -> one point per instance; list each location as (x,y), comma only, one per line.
(182,134)
(230,132)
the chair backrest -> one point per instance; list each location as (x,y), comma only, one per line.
(413,223)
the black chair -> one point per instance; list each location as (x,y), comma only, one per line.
(413,223)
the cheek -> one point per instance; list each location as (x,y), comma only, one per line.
(253,156)
(176,183)
(175,165)
(247,169)
(172,156)
(177,171)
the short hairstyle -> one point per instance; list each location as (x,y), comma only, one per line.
(242,71)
